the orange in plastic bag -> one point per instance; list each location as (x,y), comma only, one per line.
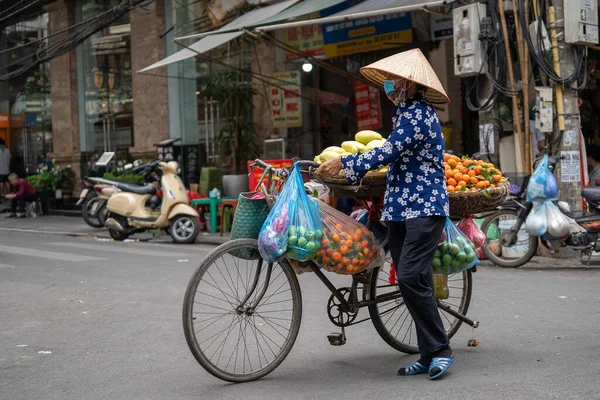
(347,246)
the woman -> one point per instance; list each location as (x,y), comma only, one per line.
(416,200)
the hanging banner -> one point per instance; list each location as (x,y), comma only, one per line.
(286,105)
(367,34)
(368,107)
(308,39)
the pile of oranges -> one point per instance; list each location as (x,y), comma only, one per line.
(347,247)
(466,175)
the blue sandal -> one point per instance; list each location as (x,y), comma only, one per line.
(415,368)
(442,364)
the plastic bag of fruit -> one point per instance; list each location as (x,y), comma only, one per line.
(542,184)
(347,246)
(472,231)
(293,227)
(456,254)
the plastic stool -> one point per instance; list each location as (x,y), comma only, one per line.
(227,203)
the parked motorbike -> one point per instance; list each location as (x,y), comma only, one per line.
(136,208)
(514,247)
(89,207)
(94,196)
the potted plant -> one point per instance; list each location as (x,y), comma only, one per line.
(43,182)
(237,134)
(64,181)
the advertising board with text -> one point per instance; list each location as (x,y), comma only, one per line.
(368,106)
(367,34)
(255,174)
(286,104)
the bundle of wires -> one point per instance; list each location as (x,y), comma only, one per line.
(538,49)
(58,43)
(494,64)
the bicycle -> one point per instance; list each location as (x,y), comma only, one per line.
(249,302)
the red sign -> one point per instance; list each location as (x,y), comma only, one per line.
(254,175)
(368,107)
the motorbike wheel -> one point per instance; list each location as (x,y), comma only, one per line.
(88,217)
(103,214)
(518,253)
(184,229)
(116,235)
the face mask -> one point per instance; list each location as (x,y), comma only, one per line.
(399,95)
(388,86)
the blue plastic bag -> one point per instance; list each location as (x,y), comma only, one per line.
(542,185)
(455,254)
(293,227)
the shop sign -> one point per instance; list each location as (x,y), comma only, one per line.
(286,105)
(308,39)
(368,106)
(12,120)
(254,174)
(441,27)
(367,34)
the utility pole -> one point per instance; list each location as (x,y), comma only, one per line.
(566,134)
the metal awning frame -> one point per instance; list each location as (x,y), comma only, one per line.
(327,20)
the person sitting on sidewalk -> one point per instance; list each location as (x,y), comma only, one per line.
(21,194)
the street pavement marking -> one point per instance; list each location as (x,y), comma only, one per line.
(122,248)
(24,251)
(6,266)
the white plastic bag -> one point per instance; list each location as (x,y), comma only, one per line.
(321,190)
(559,224)
(536,223)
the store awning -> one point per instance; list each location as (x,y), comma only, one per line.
(364,9)
(303,9)
(223,35)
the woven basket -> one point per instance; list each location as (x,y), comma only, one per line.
(465,204)
(250,215)
(371,179)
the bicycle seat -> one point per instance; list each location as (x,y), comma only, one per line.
(137,189)
(591,194)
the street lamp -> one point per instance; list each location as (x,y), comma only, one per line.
(307,67)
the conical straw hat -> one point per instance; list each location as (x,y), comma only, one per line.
(411,65)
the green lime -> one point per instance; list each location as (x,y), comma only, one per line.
(293,240)
(453,249)
(461,256)
(447,260)
(470,257)
(437,262)
(302,242)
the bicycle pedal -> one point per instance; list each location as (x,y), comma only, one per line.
(336,339)
(473,343)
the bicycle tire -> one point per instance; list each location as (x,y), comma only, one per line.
(240,246)
(533,244)
(392,340)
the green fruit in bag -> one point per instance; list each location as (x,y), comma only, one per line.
(454,249)
(302,242)
(461,256)
(293,240)
(447,260)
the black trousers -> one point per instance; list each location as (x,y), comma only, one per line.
(413,244)
(20,202)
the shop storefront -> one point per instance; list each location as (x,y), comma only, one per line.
(25,100)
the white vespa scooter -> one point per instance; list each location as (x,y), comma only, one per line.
(137,208)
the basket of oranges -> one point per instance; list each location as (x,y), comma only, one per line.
(474,186)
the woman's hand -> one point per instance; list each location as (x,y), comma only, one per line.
(331,167)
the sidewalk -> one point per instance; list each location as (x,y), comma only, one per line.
(73,226)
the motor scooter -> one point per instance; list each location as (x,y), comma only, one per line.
(95,195)
(584,234)
(136,208)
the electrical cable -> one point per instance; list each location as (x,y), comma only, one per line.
(74,36)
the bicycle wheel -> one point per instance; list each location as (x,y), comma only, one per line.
(504,247)
(393,321)
(241,316)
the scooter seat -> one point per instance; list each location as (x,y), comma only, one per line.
(137,189)
(591,194)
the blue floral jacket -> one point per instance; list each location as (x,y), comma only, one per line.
(416,185)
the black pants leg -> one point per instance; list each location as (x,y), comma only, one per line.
(21,201)
(412,245)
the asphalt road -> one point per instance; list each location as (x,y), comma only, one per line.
(83,319)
